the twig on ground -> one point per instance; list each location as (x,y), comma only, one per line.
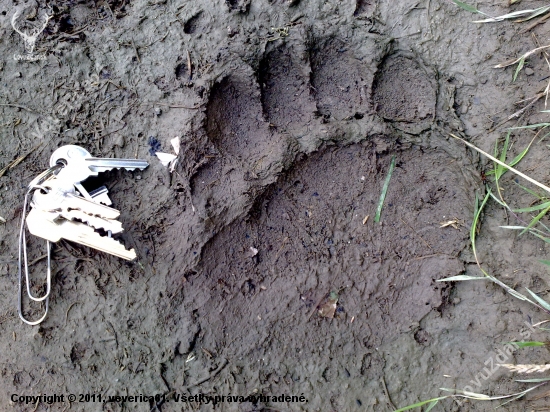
(387,393)
(19,106)
(15,162)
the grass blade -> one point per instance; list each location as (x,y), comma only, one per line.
(541,301)
(527,344)
(416,405)
(545,262)
(531,126)
(520,156)
(513,227)
(508,16)
(535,220)
(499,169)
(477,213)
(512,400)
(524,56)
(471,395)
(532,231)
(546,188)
(466,7)
(482,397)
(533,208)
(384,190)
(536,12)
(533,380)
(500,202)
(531,192)
(461,277)
(520,66)
(547,240)
(531,14)
(431,406)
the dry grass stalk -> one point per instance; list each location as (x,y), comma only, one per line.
(526,368)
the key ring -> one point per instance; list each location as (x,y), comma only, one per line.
(58,212)
(35,184)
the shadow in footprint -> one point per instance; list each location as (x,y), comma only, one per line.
(246,153)
(194,23)
(309,235)
(404,92)
(286,97)
(337,80)
(365,8)
(235,122)
(240,6)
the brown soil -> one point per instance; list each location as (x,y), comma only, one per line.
(290,113)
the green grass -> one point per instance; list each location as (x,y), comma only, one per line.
(384,191)
(500,169)
(523,15)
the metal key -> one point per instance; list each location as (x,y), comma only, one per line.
(59,199)
(79,163)
(109,225)
(100,195)
(40,225)
(60,196)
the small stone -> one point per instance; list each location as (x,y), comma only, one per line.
(17,74)
(529,71)
(138,177)
(456,301)
(158,111)
(464,109)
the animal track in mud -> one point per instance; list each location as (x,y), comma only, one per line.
(236,127)
(403,91)
(310,236)
(286,98)
(191,25)
(240,6)
(234,119)
(365,8)
(337,80)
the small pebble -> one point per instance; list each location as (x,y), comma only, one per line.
(158,111)
(529,71)
(17,74)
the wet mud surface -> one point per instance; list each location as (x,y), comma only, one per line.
(289,113)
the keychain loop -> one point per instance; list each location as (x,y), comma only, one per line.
(36,184)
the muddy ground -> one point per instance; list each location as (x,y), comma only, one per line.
(290,113)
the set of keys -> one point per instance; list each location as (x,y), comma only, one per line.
(61,208)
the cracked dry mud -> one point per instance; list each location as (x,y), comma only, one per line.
(290,113)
